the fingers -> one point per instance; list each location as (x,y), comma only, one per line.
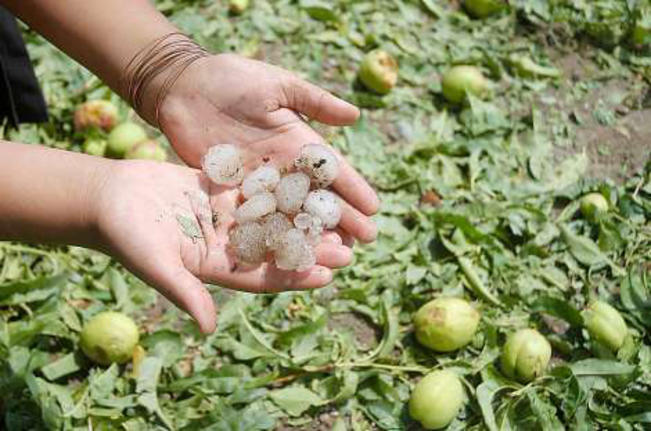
(354,188)
(188,293)
(316,103)
(357,224)
(267,278)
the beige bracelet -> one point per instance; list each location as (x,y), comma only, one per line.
(173,53)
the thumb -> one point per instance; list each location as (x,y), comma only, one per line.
(316,103)
(189,294)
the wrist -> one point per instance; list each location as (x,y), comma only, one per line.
(154,70)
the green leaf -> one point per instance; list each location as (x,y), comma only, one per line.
(63,366)
(485,394)
(600,367)
(295,399)
(166,345)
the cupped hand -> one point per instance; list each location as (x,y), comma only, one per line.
(169,225)
(230,99)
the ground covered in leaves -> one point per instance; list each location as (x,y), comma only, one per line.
(505,174)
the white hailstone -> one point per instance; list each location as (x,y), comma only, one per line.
(247,243)
(223,164)
(255,208)
(325,206)
(303,221)
(291,192)
(314,232)
(295,252)
(263,179)
(275,226)
(320,163)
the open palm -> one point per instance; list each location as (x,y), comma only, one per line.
(230,99)
(169,225)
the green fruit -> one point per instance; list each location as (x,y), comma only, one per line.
(101,114)
(379,71)
(109,337)
(238,6)
(95,147)
(593,205)
(446,324)
(437,399)
(525,355)
(461,80)
(124,137)
(605,325)
(483,8)
(147,150)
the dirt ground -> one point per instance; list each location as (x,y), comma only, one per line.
(609,124)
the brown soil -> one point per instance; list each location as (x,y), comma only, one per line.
(618,148)
(366,335)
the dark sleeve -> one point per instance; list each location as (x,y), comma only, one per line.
(21,100)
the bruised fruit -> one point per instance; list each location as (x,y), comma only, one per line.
(437,399)
(124,137)
(483,8)
(379,71)
(446,324)
(593,205)
(101,114)
(525,355)
(95,147)
(462,80)
(605,324)
(147,150)
(109,337)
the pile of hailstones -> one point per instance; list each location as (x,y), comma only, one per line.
(282,215)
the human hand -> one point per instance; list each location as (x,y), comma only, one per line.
(230,99)
(146,214)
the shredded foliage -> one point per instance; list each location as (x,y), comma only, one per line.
(479,202)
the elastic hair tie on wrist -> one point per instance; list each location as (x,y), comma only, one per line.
(173,52)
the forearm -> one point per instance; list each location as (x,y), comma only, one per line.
(48,195)
(102,35)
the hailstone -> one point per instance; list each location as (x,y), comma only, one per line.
(247,243)
(291,192)
(325,206)
(320,163)
(263,179)
(295,252)
(223,164)
(255,208)
(275,226)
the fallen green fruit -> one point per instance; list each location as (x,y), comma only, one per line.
(605,324)
(437,399)
(124,137)
(593,205)
(446,324)
(101,114)
(147,150)
(379,71)
(238,6)
(95,147)
(109,337)
(483,8)
(525,355)
(461,80)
